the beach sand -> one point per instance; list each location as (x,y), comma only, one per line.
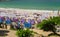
(7,33)
(12,33)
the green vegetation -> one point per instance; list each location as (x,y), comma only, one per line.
(49,24)
(24,33)
(56,20)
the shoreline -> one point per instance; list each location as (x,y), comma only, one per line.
(28,9)
(18,10)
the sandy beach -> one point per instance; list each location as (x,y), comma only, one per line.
(11,12)
(12,33)
(40,16)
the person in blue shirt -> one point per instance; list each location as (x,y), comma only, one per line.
(8,22)
(27,24)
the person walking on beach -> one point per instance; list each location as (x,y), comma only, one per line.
(22,23)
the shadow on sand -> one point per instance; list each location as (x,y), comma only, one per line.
(3,32)
(54,34)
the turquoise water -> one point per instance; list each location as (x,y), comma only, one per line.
(32,4)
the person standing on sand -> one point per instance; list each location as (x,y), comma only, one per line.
(27,24)
(8,22)
(1,21)
(18,24)
(22,23)
(12,23)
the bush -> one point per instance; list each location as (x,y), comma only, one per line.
(24,33)
(49,24)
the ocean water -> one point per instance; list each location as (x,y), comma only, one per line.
(32,4)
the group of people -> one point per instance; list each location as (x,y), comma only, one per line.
(17,22)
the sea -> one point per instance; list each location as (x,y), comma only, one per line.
(32,4)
